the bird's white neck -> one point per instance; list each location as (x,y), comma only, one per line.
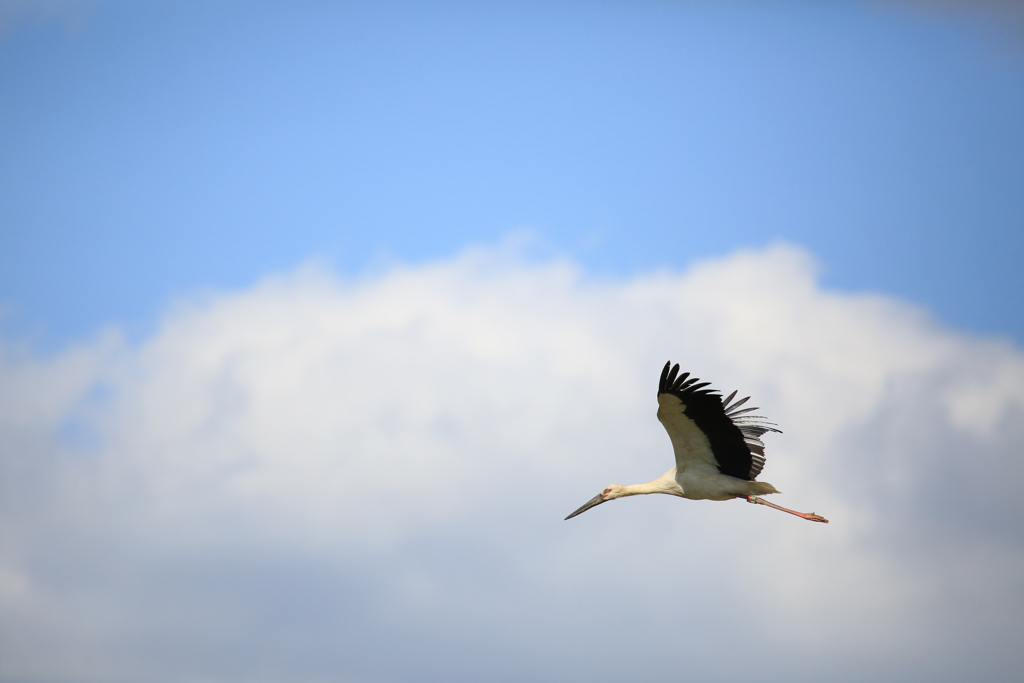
(666,483)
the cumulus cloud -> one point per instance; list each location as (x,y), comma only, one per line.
(324,479)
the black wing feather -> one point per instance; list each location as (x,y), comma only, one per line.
(734,436)
(737,413)
(663,384)
(737,404)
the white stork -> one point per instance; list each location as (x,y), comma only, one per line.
(718,448)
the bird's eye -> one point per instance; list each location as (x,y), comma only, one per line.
(606,491)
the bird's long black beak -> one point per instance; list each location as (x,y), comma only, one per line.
(593,502)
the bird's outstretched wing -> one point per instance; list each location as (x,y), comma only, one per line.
(705,429)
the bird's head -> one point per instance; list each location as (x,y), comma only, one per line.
(611,492)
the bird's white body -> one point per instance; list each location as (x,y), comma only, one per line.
(709,438)
(700,483)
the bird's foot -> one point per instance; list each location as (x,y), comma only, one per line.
(809,516)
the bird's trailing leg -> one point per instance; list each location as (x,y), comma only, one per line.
(810,516)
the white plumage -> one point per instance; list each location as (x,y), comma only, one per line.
(718,448)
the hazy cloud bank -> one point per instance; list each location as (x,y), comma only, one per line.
(316,480)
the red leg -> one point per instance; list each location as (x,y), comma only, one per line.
(810,516)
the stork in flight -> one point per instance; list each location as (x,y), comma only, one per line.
(718,448)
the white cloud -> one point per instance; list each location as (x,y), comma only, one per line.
(323,480)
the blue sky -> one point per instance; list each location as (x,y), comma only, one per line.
(154,149)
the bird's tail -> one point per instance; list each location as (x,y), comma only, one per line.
(761,488)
